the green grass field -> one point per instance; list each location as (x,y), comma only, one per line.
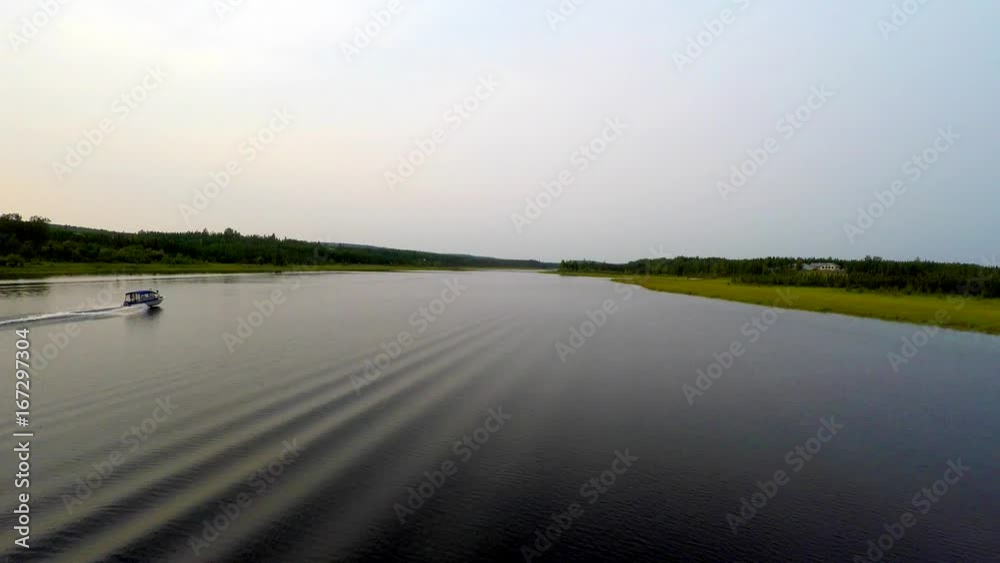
(971,314)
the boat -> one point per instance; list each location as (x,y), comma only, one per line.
(149,297)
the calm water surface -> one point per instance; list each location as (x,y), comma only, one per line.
(430,416)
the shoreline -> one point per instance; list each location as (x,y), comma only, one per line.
(969,314)
(954,312)
(68,269)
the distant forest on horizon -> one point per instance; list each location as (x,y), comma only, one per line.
(871,273)
(37,240)
(33,240)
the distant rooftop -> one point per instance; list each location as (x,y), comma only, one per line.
(821,266)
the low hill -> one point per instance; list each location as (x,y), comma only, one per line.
(34,240)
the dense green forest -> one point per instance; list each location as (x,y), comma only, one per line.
(36,240)
(872,273)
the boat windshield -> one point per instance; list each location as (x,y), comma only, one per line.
(141,296)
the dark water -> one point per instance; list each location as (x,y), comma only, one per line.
(271,445)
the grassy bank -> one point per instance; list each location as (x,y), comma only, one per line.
(36,270)
(972,314)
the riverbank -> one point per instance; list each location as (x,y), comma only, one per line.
(954,312)
(39,270)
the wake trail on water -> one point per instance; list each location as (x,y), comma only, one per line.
(75,316)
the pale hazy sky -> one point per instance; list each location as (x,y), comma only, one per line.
(323,175)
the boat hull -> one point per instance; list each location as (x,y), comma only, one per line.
(151,303)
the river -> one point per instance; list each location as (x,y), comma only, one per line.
(481,416)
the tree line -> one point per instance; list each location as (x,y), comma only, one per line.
(871,273)
(37,240)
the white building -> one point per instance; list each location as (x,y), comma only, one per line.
(822,267)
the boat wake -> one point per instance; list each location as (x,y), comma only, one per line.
(69,316)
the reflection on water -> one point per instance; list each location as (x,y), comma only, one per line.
(358,416)
(146,315)
(13,291)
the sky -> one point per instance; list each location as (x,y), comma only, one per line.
(521,129)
